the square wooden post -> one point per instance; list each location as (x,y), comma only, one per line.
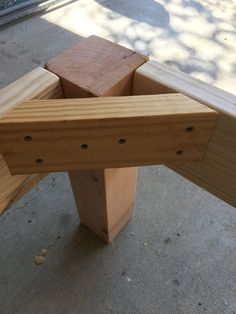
(97,67)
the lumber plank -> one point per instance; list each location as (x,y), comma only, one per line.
(217,172)
(98,67)
(157,78)
(104,132)
(40,84)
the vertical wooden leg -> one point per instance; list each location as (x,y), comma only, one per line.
(105,199)
(97,67)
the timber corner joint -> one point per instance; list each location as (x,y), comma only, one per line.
(170,119)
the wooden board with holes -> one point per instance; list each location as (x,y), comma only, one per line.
(40,84)
(217,172)
(103,132)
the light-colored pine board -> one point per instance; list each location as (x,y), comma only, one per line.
(40,84)
(118,131)
(217,172)
(157,78)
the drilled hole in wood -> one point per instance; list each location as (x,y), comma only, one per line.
(39,161)
(122,141)
(179,152)
(28,138)
(84,146)
(190,129)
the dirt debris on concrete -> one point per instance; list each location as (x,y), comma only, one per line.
(39,259)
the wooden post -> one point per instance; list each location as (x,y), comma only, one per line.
(105,199)
(97,67)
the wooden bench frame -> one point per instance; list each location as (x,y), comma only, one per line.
(110,209)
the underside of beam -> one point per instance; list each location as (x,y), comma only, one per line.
(104,132)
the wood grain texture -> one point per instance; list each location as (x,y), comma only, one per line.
(217,172)
(157,78)
(96,67)
(108,195)
(40,84)
(104,132)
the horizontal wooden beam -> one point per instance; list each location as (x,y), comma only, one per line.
(104,132)
(40,84)
(217,172)
(157,78)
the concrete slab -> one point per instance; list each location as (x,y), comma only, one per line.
(178,253)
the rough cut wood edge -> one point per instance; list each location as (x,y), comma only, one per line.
(217,173)
(40,84)
(117,132)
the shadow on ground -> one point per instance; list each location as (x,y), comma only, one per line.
(189,29)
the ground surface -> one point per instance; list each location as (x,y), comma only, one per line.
(178,253)
(5,4)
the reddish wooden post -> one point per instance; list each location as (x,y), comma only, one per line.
(97,67)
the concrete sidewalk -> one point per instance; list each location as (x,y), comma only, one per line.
(178,253)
